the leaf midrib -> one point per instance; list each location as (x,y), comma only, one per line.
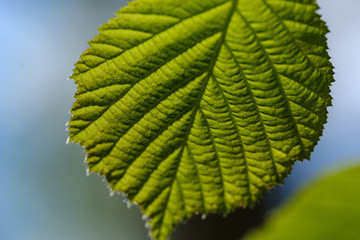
(220,43)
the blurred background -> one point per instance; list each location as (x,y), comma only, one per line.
(44,191)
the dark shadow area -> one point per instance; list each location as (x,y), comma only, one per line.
(216,227)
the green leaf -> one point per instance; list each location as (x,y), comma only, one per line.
(327,209)
(193,106)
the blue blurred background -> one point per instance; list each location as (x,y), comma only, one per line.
(44,191)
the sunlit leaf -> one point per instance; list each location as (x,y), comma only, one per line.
(197,106)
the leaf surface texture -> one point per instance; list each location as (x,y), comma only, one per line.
(201,106)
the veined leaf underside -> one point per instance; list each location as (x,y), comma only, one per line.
(201,106)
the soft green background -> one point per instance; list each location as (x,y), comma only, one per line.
(44,191)
(327,209)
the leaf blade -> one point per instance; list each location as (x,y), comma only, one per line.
(207,106)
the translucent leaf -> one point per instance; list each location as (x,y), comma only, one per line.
(197,106)
(326,209)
